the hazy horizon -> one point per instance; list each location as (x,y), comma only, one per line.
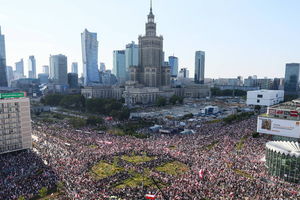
(239,37)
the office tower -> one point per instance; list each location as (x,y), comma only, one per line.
(43,78)
(131,55)
(74,67)
(89,45)
(9,75)
(15,131)
(119,66)
(102,67)
(45,69)
(19,69)
(183,73)
(173,62)
(199,67)
(31,67)
(150,71)
(58,69)
(292,75)
(3,78)
(73,80)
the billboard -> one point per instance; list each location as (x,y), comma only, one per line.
(281,127)
(12,95)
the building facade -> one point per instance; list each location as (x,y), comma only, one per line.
(131,56)
(89,45)
(183,73)
(58,69)
(3,78)
(150,71)
(15,126)
(9,75)
(73,80)
(74,67)
(265,97)
(45,69)
(102,67)
(292,75)
(173,63)
(199,67)
(102,92)
(119,65)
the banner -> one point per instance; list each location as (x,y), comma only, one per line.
(281,127)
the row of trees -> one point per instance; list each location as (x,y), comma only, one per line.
(109,107)
(237,117)
(218,92)
(162,101)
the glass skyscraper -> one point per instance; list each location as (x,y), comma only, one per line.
(89,45)
(119,67)
(74,67)
(3,78)
(132,55)
(173,62)
(199,67)
(31,67)
(292,74)
(58,69)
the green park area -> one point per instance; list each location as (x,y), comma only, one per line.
(136,159)
(103,170)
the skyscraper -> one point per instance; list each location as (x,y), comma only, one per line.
(119,66)
(199,67)
(292,76)
(45,69)
(102,67)
(3,78)
(74,67)
(89,45)
(31,67)
(9,75)
(150,71)
(173,62)
(19,73)
(58,69)
(131,56)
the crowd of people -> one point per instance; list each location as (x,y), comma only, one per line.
(230,159)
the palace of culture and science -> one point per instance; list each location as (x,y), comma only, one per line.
(151,72)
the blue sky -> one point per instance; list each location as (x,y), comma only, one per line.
(240,37)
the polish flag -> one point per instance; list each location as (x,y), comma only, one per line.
(201,173)
(150,196)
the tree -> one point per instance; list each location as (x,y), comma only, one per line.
(161,101)
(60,186)
(77,122)
(53,99)
(92,120)
(43,192)
(21,198)
(173,100)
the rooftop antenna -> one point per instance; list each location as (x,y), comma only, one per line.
(150,5)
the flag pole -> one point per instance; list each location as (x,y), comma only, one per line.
(163,194)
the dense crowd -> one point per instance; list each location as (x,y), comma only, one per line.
(231,159)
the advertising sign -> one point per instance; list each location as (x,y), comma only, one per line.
(12,95)
(281,127)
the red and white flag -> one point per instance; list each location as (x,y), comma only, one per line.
(201,173)
(150,196)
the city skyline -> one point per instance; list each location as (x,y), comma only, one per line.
(244,38)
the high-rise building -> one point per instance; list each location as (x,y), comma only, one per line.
(173,62)
(9,75)
(131,56)
(292,76)
(74,68)
(58,69)
(119,66)
(43,78)
(31,67)
(150,71)
(102,67)
(89,45)
(183,73)
(199,67)
(73,80)
(3,78)
(45,69)
(19,73)
(15,130)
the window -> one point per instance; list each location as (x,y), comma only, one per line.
(259,96)
(258,101)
